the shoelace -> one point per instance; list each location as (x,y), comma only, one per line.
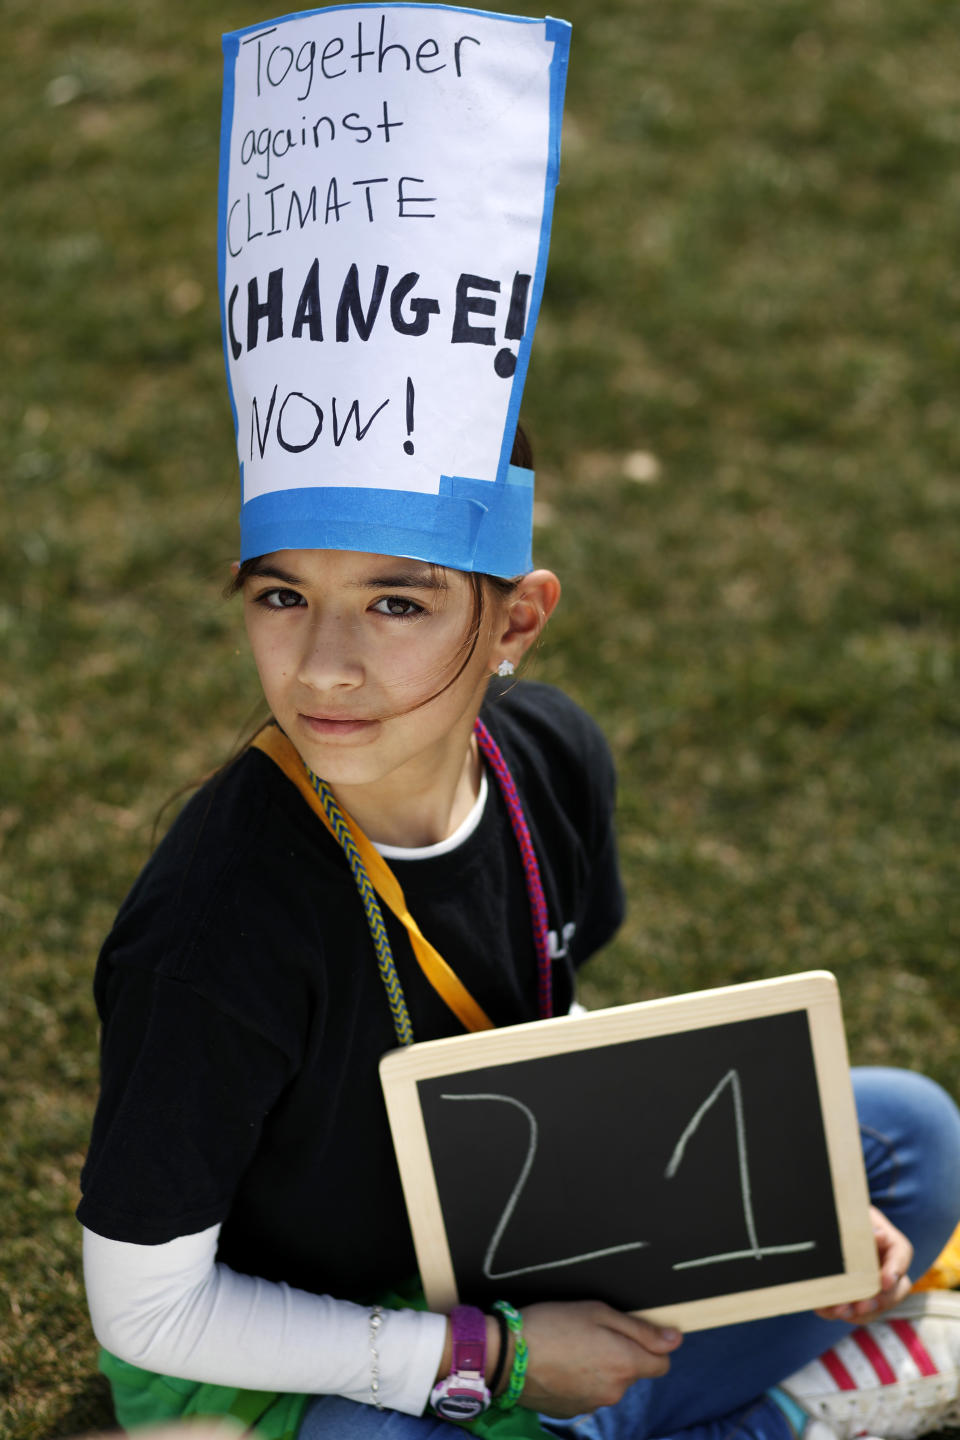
(378,933)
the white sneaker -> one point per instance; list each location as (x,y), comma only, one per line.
(898,1376)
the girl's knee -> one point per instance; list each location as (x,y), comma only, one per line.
(906,1103)
(910,1128)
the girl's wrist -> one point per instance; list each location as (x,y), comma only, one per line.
(499,1358)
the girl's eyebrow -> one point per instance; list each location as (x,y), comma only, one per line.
(272,572)
(420,579)
(413,579)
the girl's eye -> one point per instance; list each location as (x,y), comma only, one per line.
(398,607)
(280,599)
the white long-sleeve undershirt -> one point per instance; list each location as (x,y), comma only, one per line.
(174,1310)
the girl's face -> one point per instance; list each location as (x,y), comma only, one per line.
(359,657)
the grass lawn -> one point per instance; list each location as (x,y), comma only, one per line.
(743,402)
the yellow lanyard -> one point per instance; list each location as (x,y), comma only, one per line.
(451,990)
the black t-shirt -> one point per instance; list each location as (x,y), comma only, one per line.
(244,1016)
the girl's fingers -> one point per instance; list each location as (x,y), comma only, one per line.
(876,1305)
(660,1339)
(894,1251)
(894,1255)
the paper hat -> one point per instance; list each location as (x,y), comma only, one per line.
(386,188)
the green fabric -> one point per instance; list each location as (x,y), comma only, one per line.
(143,1398)
(518,1424)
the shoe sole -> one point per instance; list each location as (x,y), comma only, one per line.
(944,1304)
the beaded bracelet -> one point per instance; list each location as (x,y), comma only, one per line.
(518,1373)
(376,1320)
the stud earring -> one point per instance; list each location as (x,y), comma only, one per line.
(506,667)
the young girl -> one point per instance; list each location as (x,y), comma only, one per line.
(246,1246)
(241,1172)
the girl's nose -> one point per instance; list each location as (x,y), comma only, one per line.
(330,658)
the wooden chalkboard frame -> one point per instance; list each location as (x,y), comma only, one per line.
(815,992)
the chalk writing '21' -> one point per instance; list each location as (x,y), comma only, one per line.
(754,1249)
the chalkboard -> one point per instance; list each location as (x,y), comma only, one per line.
(695,1160)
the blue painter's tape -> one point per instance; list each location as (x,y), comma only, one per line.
(557,31)
(231,48)
(471,525)
(503,542)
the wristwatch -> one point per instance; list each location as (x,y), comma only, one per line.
(463,1394)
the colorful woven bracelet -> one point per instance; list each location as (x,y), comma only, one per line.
(518,1373)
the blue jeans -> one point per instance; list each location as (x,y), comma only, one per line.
(715,1389)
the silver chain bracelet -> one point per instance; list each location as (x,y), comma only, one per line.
(376,1320)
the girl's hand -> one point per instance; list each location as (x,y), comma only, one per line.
(895,1254)
(583,1354)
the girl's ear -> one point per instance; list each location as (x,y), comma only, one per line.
(526,612)
(235,569)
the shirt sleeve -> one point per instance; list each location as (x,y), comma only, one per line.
(605,903)
(174,1310)
(185,1089)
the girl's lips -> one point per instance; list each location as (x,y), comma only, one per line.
(328,725)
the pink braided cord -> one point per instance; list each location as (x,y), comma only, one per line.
(531,870)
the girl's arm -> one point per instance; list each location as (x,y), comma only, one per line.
(174,1310)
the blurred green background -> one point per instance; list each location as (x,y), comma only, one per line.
(743,403)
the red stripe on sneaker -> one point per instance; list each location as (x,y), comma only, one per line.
(839,1373)
(912,1343)
(875,1355)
